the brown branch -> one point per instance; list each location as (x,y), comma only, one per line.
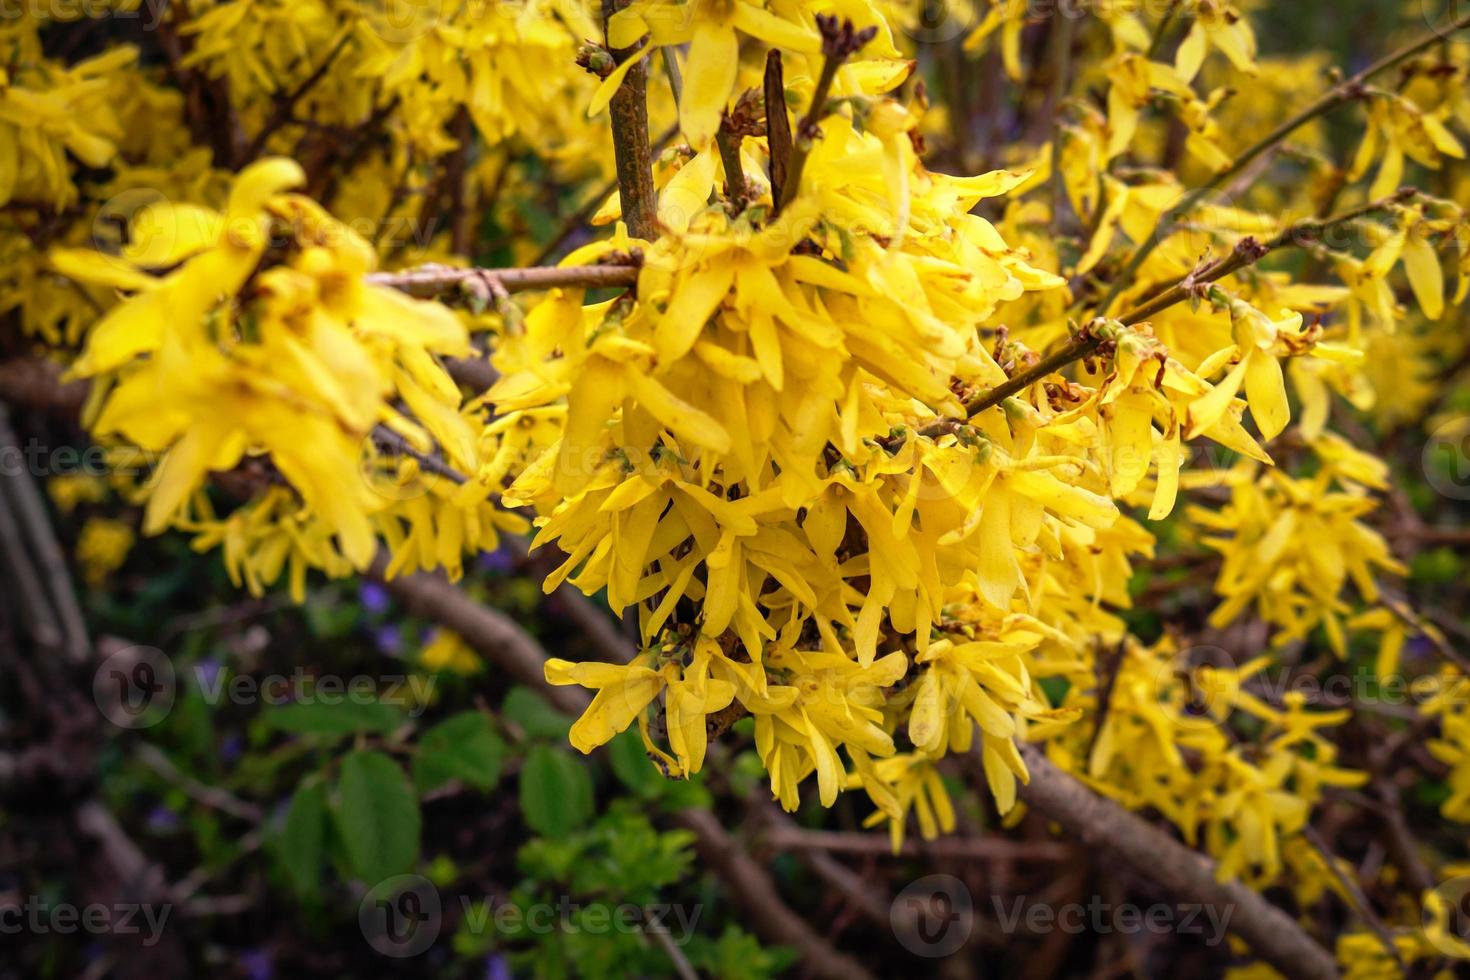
(1061,65)
(388,441)
(728,142)
(475,373)
(492,633)
(839,42)
(24,581)
(1345,91)
(1105,826)
(36,382)
(28,510)
(434,280)
(213,797)
(285,105)
(596,625)
(578,218)
(790,837)
(770,916)
(500,639)
(1356,899)
(634,158)
(778,123)
(1247,252)
(462,225)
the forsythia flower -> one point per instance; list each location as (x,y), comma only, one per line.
(102,547)
(220,362)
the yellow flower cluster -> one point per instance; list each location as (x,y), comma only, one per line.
(797,450)
(220,361)
(1163,743)
(766,452)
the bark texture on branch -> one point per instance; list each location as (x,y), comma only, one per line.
(435,280)
(495,635)
(769,914)
(631,150)
(1106,827)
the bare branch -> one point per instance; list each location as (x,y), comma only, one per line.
(435,280)
(634,157)
(1104,825)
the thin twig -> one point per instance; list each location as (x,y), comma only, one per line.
(389,441)
(29,512)
(770,916)
(286,104)
(21,575)
(839,42)
(1359,901)
(213,797)
(1247,252)
(434,280)
(578,218)
(1161,30)
(794,838)
(493,634)
(676,956)
(1061,59)
(1345,91)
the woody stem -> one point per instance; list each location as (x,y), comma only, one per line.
(634,157)
(1344,91)
(1246,253)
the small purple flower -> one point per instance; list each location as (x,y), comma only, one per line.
(374,598)
(231,748)
(206,672)
(258,964)
(161,820)
(496,968)
(388,638)
(501,561)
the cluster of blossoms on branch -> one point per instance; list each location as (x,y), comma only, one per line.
(869,450)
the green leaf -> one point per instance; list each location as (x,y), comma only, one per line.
(534,716)
(303,836)
(630,763)
(556,792)
(377,816)
(343,718)
(462,747)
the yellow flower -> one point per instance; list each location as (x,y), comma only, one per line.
(102,547)
(448,651)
